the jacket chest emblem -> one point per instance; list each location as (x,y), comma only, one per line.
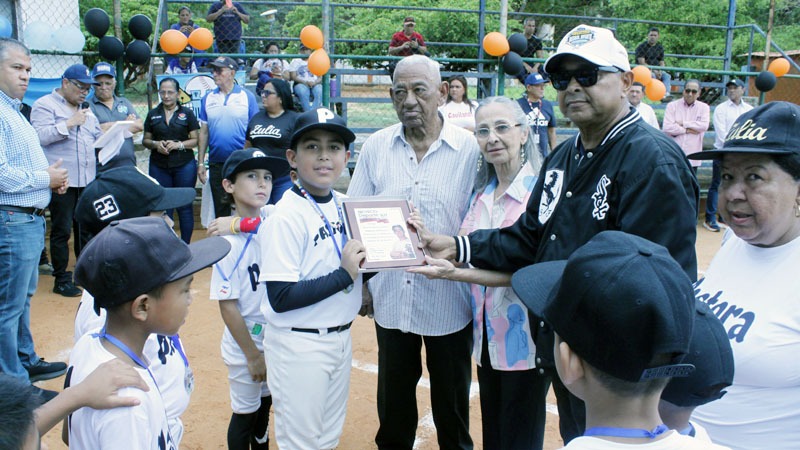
(600,198)
(551,192)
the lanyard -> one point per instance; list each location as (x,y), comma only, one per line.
(325,219)
(125,349)
(627,432)
(176,342)
(241,255)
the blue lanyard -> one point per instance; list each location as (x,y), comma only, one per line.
(241,255)
(125,349)
(325,219)
(627,432)
(176,342)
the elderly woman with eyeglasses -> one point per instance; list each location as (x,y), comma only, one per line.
(271,129)
(170,132)
(752,284)
(512,390)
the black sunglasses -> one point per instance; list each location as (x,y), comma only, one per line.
(691,91)
(585,76)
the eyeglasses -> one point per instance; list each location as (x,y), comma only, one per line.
(81,87)
(691,91)
(585,76)
(267,93)
(500,129)
(165,92)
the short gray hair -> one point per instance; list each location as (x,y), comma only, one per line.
(431,66)
(8,43)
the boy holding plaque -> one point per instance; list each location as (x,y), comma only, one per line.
(314,288)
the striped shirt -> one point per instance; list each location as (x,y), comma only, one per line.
(439,186)
(24,180)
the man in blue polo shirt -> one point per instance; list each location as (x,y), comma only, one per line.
(541,116)
(224,115)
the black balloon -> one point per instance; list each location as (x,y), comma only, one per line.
(96,22)
(517,43)
(110,48)
(140,27)
(138,52)
(512,63)
(766,81)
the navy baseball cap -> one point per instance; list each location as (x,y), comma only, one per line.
(254,158)
(224,62)
(124,193)
(712,356)
(619,301)
(324,119)
(78,72)
(134,256)
(104,68)
(534,79)
(769,129)
(736,82)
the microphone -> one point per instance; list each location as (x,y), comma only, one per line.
(84,105)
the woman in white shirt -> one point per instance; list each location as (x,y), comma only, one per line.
(459,109)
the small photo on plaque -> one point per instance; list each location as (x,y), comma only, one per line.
(380,224)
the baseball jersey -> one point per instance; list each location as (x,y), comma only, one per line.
(227,117)
(755,292)
(299,247)
(673,441)
(167,364)
(137,427)
(235,277)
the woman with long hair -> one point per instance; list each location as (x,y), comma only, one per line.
(459,109)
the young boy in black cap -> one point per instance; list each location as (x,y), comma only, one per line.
(140,272)
(247,179)
(622,311)
(711,354)
(125,193)
(314,289)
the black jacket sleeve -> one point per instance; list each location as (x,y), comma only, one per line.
(287,296)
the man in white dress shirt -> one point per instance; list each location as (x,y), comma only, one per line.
(635,95)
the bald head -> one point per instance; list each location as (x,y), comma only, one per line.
(421,63)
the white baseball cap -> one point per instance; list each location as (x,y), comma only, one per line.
(596,45)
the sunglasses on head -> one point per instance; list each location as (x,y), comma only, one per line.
(691,91)
(585,76)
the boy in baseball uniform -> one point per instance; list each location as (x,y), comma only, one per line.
(622,311)
(125,193)
(314,289)
(247,180)
(712,356)
(140,272)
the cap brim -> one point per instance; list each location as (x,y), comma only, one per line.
(716,154)
(342,131)
(86,81)
(204,253)
(278,167)
(535,285)
(175,198)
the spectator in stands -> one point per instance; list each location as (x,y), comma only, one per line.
(459,109)
(110,109)
(67,130)
(170,132)
(534,49)
(227,22)
(276,67)
(307,86)
(541,117)
(686,121)
(650,52)
(272,128)
(725,114)
(185,23)
(635,96)
(224,115)
(184,64)
(407,41)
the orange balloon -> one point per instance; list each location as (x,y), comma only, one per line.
(319,63)
(655,90)
(642,74)
(311,37)
(173,41)
(201,39)
(779,67)
(495,44)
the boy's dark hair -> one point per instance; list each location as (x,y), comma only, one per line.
(17,406)
(624,388)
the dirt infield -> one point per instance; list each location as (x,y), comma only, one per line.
(206,419)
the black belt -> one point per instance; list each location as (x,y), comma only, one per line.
(23,209)
(338,329)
